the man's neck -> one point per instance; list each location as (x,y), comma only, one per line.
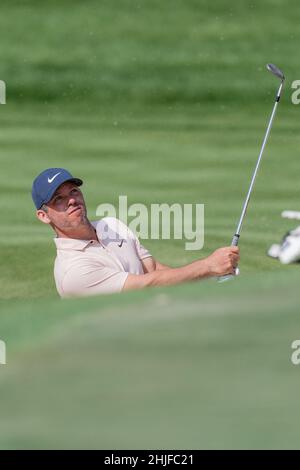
(84,232)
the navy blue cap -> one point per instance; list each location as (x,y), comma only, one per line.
(47,182)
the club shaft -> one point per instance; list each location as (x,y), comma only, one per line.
(236,236)
(244,210)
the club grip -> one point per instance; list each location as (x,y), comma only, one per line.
(235,240)
(228,277)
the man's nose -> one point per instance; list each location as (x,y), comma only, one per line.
(72,201)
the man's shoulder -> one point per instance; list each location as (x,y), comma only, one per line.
(111,221)
(111,226)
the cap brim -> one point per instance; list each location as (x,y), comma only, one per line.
(50,195)
(77,181)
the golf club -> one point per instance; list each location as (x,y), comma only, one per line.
(235,240)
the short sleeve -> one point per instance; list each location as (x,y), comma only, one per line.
(92,280)
(142,251)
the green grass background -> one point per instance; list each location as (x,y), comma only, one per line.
(164,101)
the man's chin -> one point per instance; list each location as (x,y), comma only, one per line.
(77,222)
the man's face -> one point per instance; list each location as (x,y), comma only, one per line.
(66,210)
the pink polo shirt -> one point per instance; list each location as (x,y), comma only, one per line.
(88,267)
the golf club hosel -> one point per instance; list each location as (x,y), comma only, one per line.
(279,92)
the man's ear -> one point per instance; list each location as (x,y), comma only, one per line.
(42,216)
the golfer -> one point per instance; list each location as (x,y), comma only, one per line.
(105,256)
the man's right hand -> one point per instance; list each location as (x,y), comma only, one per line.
(223,261)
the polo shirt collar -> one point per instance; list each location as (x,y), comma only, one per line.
(72,244)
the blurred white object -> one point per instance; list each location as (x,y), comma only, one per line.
(291,215)
(274,251)
(289,249)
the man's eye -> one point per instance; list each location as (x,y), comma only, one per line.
(74,191)
(57,200)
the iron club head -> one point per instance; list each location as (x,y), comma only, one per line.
(275,71)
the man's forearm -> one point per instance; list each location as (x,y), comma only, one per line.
(221,261)
(165,277)
(159,266)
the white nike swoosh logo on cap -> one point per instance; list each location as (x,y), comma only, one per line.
(50,180)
